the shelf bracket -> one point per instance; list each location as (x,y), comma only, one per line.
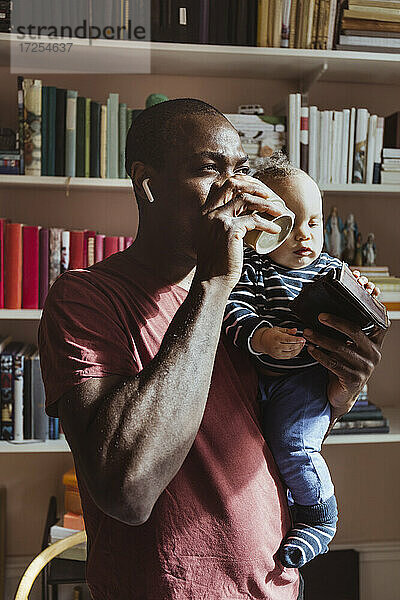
(306,84)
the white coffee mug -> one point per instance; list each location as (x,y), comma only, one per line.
(263,242)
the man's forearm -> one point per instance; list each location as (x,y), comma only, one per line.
(148,422)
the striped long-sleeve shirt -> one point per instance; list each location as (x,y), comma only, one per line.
(262,299)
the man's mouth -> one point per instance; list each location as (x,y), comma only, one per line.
(303,252)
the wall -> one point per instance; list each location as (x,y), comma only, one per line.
(367,490)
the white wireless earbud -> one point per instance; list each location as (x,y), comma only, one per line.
(147,190)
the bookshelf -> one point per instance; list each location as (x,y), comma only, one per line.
(230,61)
(89,183)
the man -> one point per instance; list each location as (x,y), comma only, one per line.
(181,496)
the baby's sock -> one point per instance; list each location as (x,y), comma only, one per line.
(314,527)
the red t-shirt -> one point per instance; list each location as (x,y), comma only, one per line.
(214,532)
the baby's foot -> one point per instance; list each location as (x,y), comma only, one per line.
(304,542)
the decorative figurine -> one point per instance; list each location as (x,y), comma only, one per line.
(369,251)
(358,257)
(155,99)
(350,232)
(334,234)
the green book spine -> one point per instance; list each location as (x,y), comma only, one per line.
(108,139)
(45,129)
(128,126)
(122,138)
(87,137)
(95,109)
(81,136)
(114,138)
(51,131)
(61,100)
(70,133)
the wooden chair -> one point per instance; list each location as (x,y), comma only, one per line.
(54,570)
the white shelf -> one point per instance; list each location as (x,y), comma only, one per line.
(35,446)
(223,61)
(23,314)
(393,414)
(88,183)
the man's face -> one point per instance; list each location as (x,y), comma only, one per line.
(205,151)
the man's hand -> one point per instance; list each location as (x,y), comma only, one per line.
(228,213)
(350,364)
(277,342)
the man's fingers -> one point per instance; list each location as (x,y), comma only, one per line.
(334,364)
(378,336)
(241,188)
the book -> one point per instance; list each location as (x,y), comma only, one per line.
(391,134)
(61,100)
(103,141)
(7,389)
(111,245)
(32,126)
(43,265)
(54,254)
(345,146)
(51,130)
(112,136)
(89,248)
(304,138)
(286,6)
(313,135)
(80,139)
(360,145)
(27,416)
(375,3)
(45,129)
(86,170)
(376,177)
(21,135)
(369,25)
(371,140)
(40,419)
(390,152)
(122,138)
(76,253)
(18,394)
(30,267)
(64,259)
(393,16)
(2,242)
(374,43)
(70,133)
(340,294)
(99,247)
(262,23)
(390,177)
(95,108)
(13,266)
(292,24)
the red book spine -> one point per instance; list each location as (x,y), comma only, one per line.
(99,247)
(43,265)
(13,266)
(76,253)
(128,241)
(110,245)
(30,267)
(2,240)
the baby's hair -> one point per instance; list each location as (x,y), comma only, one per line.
(276,166)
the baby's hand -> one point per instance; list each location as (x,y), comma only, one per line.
(277,342)
(370,287)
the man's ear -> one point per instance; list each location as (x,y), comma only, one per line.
(139,173)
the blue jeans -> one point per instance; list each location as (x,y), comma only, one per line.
(296,416)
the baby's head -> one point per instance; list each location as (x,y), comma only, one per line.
(302,196)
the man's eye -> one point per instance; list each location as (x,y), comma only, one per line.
(210,167)
(243,170)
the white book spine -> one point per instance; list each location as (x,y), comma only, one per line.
(352,129)
(378,149)
(313,142)
(285,23)
(371,141)
(324,143)
(360,146)
(345,146)
(339,143)
(334,146)
(298,118)
(65,237)
(18,396)
(292,128)
(328,172)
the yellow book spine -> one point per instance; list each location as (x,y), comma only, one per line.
(262,24)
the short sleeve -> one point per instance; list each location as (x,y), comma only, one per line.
(81,336)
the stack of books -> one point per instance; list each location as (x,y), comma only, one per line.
(371,25)
(272,23)
(48,121)
(364,417)
(391,165)
(22,395)
(388,284)
(32,257)
(9,162)
(261,135)
(335,146)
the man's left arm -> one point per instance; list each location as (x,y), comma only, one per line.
(350,365)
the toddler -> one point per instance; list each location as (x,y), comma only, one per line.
(293,386)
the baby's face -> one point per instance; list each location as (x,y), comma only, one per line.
(304,244)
